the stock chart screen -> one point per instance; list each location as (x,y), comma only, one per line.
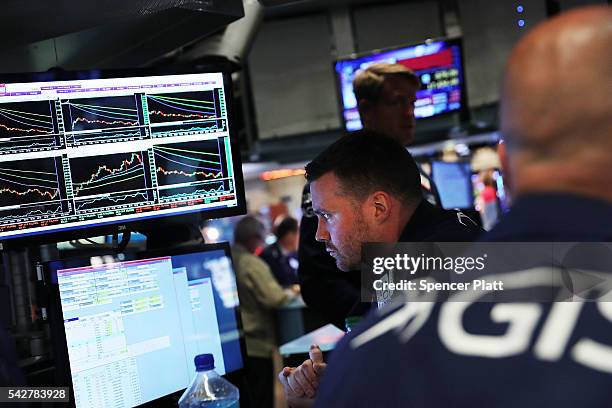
(436,63)
(81,153)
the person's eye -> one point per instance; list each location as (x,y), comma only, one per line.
(326,216)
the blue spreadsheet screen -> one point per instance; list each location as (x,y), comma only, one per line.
(454,183)
(134,327)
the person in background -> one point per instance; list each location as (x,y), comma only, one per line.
(489,207)
(281,256)
(556,118)
(385,95)
(259,295)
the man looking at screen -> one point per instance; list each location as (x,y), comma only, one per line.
(385,95)
(366,188)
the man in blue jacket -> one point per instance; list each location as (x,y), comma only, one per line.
(367,188)
(556,117)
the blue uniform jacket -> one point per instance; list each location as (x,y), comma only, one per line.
(444,355)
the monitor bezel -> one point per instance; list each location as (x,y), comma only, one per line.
(463,112)
(63,375)
(110,227)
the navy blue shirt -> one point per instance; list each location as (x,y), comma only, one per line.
(284,267)
(455,354)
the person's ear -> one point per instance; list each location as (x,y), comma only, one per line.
(380,204)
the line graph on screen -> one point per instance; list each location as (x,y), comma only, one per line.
(31,189)
(109,181)
(191,170)
(102,120)
(27,127)
(186,113)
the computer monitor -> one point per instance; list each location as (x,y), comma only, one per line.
(83,150)
(130,329)
(454,183)
(437,63)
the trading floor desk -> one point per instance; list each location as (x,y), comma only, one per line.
(296,351)
(296,319)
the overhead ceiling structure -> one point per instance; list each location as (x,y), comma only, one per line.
(234,43)
(36,35)
(76,34)
(231,44)
(287,8)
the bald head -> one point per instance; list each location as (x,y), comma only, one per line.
(556,110)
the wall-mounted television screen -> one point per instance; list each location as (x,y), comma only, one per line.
(91,149)
(437,63)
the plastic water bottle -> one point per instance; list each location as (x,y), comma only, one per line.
(208,389)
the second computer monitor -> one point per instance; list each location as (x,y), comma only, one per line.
(132,328)
(454,183)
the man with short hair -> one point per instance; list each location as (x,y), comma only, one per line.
(556,117)
(366,188)
(385,94)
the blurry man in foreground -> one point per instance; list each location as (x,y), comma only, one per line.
(556,114)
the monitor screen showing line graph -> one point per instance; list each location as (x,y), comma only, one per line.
(90,152)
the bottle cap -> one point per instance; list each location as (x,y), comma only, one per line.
(204,362)
(351,322)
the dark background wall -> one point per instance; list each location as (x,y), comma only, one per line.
(290,63)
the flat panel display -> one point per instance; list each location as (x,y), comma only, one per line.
(82,153)
(454,183)
(132,328)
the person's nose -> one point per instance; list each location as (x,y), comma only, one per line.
(322,234)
